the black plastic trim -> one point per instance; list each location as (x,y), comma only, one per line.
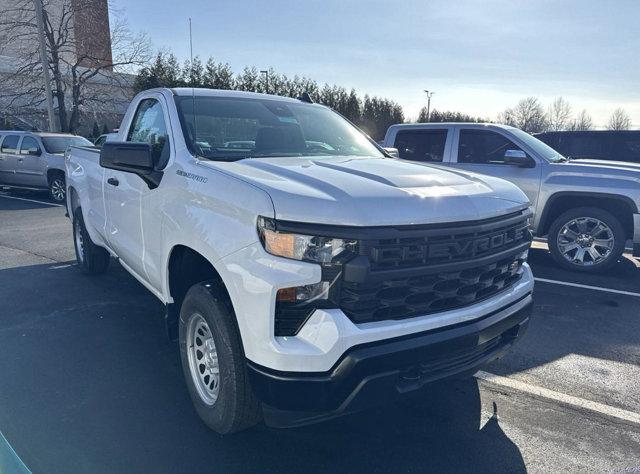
(390,231)
(542,228)
(358,270)
(365,368)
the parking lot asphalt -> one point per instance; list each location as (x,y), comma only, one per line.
(90,383)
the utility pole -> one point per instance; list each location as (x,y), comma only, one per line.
(429,94)
(266,75)
(45,65)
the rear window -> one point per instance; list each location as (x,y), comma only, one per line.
(421,145)
(10,144)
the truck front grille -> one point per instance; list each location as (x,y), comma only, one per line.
(424,294)
(445,245)
(415,271)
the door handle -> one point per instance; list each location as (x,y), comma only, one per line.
(113,181)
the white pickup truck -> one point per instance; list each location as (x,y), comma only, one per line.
(304,273)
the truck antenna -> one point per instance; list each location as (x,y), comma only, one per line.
(193,91)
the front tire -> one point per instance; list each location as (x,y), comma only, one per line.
(92,259)
(586,239)
(213,361)
(58,188)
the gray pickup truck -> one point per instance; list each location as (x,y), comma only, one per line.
(35,160)
(587,208)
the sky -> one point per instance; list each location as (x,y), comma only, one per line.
(479,57)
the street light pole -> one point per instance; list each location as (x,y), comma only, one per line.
(45,65)
(429,94)
(266,75)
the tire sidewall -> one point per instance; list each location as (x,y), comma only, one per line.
(602,215)
(199,300)
(81,255)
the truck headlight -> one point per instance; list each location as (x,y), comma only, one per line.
(294,305)
(323,250)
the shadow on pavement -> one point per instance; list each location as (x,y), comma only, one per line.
(624,275)
(90,384)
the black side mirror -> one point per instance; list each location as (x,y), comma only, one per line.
(518,158)
(131,157)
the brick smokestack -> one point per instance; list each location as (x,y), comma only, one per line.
(91,32)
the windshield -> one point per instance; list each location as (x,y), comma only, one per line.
(229,128)
(539,147)
(60,144)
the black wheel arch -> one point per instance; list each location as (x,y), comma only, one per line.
(54,172)
(186,268)
(622,207)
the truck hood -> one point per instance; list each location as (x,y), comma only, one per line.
(606,164)
(373,191)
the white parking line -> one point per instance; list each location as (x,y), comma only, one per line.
(588,287)
(619,413)
(31,200)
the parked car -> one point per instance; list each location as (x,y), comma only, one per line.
(103,138)
(588,209)
(610,145)
(35,160)
(302,281)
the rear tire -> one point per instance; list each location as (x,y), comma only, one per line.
(213,361)
(92,259)
(586,239)
(58,187)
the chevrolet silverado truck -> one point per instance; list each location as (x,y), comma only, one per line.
(587,209)
(304,273)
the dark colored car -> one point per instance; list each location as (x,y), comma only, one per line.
(623,145)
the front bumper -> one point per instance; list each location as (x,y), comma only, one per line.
(378,372)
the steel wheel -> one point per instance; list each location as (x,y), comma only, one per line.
(203,359)
(79,241)
(58,191)
(585,241)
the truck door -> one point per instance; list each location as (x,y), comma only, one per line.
(8,159)
(30,164)
(482,151)
(133,221)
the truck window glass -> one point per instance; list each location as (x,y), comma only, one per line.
(10,144)
(148,126)
(29,144)
(540,148)
(421,145)
(483,147)
(229,128)
(60,144)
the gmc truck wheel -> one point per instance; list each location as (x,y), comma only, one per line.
(58,188)
(92,259)
(586,239)
(213,361)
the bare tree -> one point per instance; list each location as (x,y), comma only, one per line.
(619,120)
(84,76)
(527,115)
(582,122)
(559,115)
